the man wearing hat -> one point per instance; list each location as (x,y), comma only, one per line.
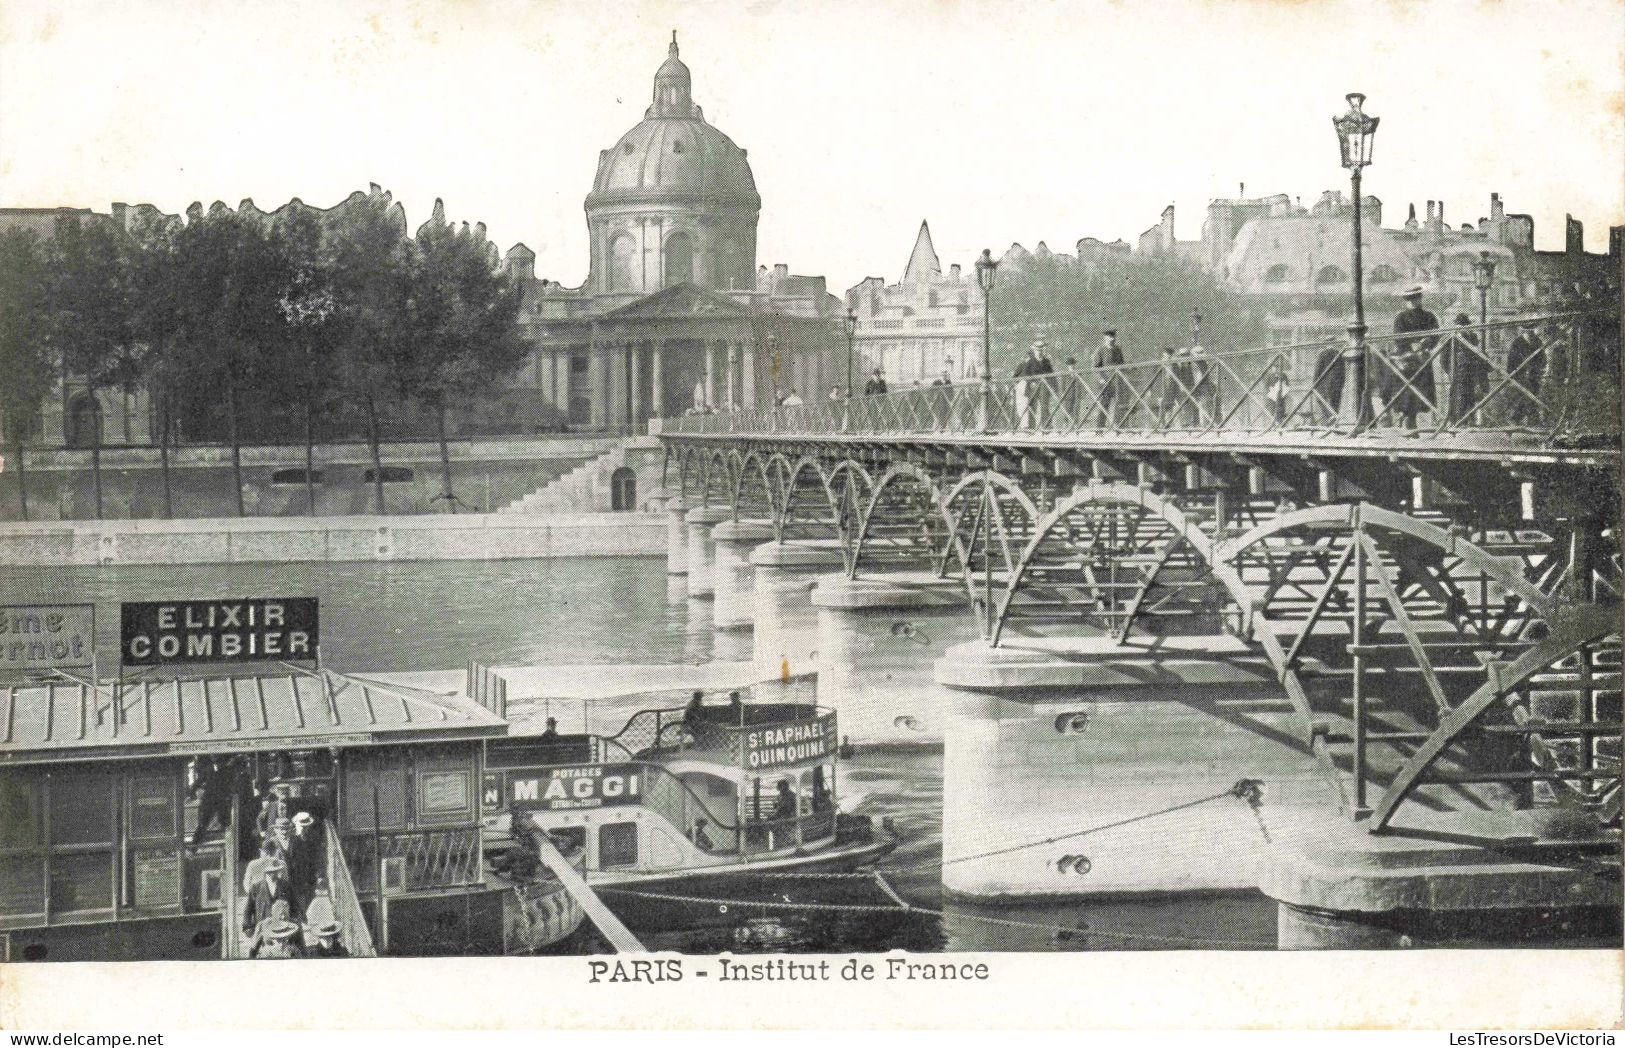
(272,888)
(304,860)
(1030,393)
(1406,381)
(1108,357)
(876,386)
(327,940)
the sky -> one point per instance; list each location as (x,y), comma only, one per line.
(998,122)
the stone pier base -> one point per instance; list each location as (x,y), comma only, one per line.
(700,521)
(1460,878)
(733,580)
(676,538)
(1138,744)
(877,637)
(786,634)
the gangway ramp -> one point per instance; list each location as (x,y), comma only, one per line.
(607,923)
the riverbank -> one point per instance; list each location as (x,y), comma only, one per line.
(257,540)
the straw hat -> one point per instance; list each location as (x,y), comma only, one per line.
(327,930)
(304,818)
(282,930)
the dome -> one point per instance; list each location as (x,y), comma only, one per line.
(674,151)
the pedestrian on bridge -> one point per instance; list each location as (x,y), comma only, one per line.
(1108,357)
(1469,370)
(876,386)
(1328,383)
(1407,380)
(1033,389)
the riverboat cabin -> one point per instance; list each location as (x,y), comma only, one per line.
(128,811)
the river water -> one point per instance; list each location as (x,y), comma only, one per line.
(437,615)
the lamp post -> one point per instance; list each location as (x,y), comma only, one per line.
(1196,327)
(851,323)
(985,269)
(1355,131)
(1483,280)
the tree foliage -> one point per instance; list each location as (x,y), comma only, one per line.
(1147,299)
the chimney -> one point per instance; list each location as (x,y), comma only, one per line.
(1241,191)
(1574,235)
(780,270)
(1410,221)
(1497,211)
(953,272)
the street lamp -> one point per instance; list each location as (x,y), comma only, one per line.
(1355,132)
(1196,327)
(985,269)
(1483,280)
(851,323)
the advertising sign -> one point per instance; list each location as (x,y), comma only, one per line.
(154,633)
(46,636)
(584,786)
(788,744)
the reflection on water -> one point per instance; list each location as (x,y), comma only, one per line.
(424,616)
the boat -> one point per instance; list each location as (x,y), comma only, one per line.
(693,816)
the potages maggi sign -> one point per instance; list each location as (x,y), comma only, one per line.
(799,743)
(583,786)
(152,633)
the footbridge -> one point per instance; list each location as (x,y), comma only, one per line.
(1410,545)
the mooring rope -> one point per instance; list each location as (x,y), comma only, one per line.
(904,908)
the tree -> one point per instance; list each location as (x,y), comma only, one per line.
(1147,299)
(308,309)
(230,282)
(25,359)
(464,335)
(89,316)
(370,260)
(157,321)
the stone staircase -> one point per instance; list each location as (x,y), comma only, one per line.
(587,487)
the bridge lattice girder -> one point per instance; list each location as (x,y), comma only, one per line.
(1420,660)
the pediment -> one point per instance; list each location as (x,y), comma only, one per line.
(681,300)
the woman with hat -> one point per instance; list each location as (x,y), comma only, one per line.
(277,937)
(327,940)
(1406,384)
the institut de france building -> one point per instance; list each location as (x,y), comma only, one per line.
(675,315)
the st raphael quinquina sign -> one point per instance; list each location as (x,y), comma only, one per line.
(154,633)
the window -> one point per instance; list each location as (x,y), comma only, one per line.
(296,476)
(1275,275)
(677,146)
(679,259)
(1330,275)
(621,250)
(392,475)
(1384,274)
(617,845)
(444,796)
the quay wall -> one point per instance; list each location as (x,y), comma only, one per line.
(487,474)
(248,540)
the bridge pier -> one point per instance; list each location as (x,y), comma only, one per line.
(1460,878)
(786,635)
(877,637)
(676,538)
(700,521)
(1141,744)
(733,582)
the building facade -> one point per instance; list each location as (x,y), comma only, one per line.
(675,315)
(925,326)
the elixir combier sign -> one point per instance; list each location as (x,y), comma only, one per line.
(153,633)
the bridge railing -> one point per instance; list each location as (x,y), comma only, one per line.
(1535,375)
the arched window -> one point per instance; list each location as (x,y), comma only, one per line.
(392,475)
(623,490)
(84,421)
(1330,275)
(621,274)
(1275,274)
(679,259)
(1384,274)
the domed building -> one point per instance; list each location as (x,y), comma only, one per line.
(675,316)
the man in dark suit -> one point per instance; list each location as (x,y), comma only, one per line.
(1407,380)
(1108,357)
(304,861)
(271,889)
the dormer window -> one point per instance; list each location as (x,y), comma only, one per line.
(627,149)
(677,147)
